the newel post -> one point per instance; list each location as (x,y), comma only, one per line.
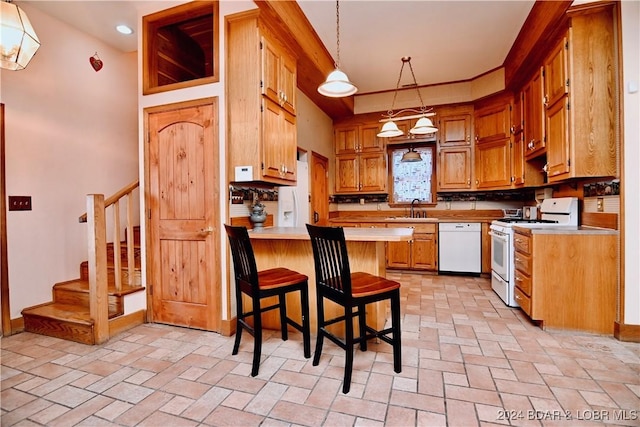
(97,245)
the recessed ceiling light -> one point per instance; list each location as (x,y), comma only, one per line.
(124,29)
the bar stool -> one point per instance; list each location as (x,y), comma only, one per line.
(263,284)
(335,282)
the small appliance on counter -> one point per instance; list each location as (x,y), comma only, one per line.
(530,212)
(512,213)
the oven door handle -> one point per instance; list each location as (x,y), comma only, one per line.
(503,237)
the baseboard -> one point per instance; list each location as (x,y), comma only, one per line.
(625,332)
(228,327)
(17,325)
(127,321)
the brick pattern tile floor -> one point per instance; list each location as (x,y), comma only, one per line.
(468,360)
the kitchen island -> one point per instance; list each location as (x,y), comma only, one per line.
(290,247)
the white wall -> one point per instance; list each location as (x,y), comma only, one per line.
(631,178)
(70,131)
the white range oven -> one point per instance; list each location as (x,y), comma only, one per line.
(556,212)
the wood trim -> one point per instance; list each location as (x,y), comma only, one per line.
(5,309)
(228,327)
(17,325)
(600,219)
(626,332)
(127,321)
(539,30)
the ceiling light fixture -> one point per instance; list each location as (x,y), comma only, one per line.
(124,29)
(423,126)
(411,156)
(18,40)
(337,84)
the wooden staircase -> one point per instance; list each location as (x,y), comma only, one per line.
(91,308)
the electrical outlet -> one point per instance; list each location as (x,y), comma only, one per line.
(600,204)
(448,205)
(19,203)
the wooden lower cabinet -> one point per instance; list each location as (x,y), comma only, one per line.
(567,280)
(421,253)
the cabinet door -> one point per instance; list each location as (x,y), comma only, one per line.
(278,75)
(493,123)
(454,130)
(369,141)
(556,79)
(347,173)
(558,139)
(492,164)
(517,144)
(398,254)
(346,139)
(533,112)
(373,172)
(288,82)
(424,252)
(454,170)
(279,142)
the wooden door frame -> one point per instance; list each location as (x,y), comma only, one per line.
(147,113)
(312,186)
(4,255)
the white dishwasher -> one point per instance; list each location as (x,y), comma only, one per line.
(459,246)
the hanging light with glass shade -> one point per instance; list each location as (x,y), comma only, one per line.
(337,84)
(423,126)
(18,39)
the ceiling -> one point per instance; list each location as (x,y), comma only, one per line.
(447,40)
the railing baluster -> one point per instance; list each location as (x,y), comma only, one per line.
(117,255)
(131,261)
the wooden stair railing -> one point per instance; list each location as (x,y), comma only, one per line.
(95,217)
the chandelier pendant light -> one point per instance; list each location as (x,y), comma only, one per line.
(337,84)
(423,126)
(18,40)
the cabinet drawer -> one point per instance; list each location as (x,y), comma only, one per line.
(523,282)
(522,243)
(523,301)
(523,263)
(417,227)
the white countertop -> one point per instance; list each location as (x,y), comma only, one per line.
(353,234)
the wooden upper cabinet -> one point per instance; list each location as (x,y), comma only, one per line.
(454,129)
(262,134)
(493,122)
(556,75)
(582,125)
(533,116)
(278,74)
(454,169)
(493,165)
(357,138)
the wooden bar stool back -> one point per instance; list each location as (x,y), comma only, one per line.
(263,284)
(336,282)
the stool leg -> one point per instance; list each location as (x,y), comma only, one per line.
(306,333)
(395,326)
(348,362)
(239,320)
(257,335)
(362,318)
(320,335)
(283,316)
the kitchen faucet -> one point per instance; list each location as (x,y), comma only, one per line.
(412,212)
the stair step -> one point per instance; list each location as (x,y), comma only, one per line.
(69,322)
(137,275)
(76,292)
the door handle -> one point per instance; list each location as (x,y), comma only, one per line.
(316,217)
(207,230)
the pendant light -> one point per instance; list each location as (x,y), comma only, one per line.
(18,40)
(411,156)
(423,126)
(337,84)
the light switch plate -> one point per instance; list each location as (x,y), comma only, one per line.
(19,203)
